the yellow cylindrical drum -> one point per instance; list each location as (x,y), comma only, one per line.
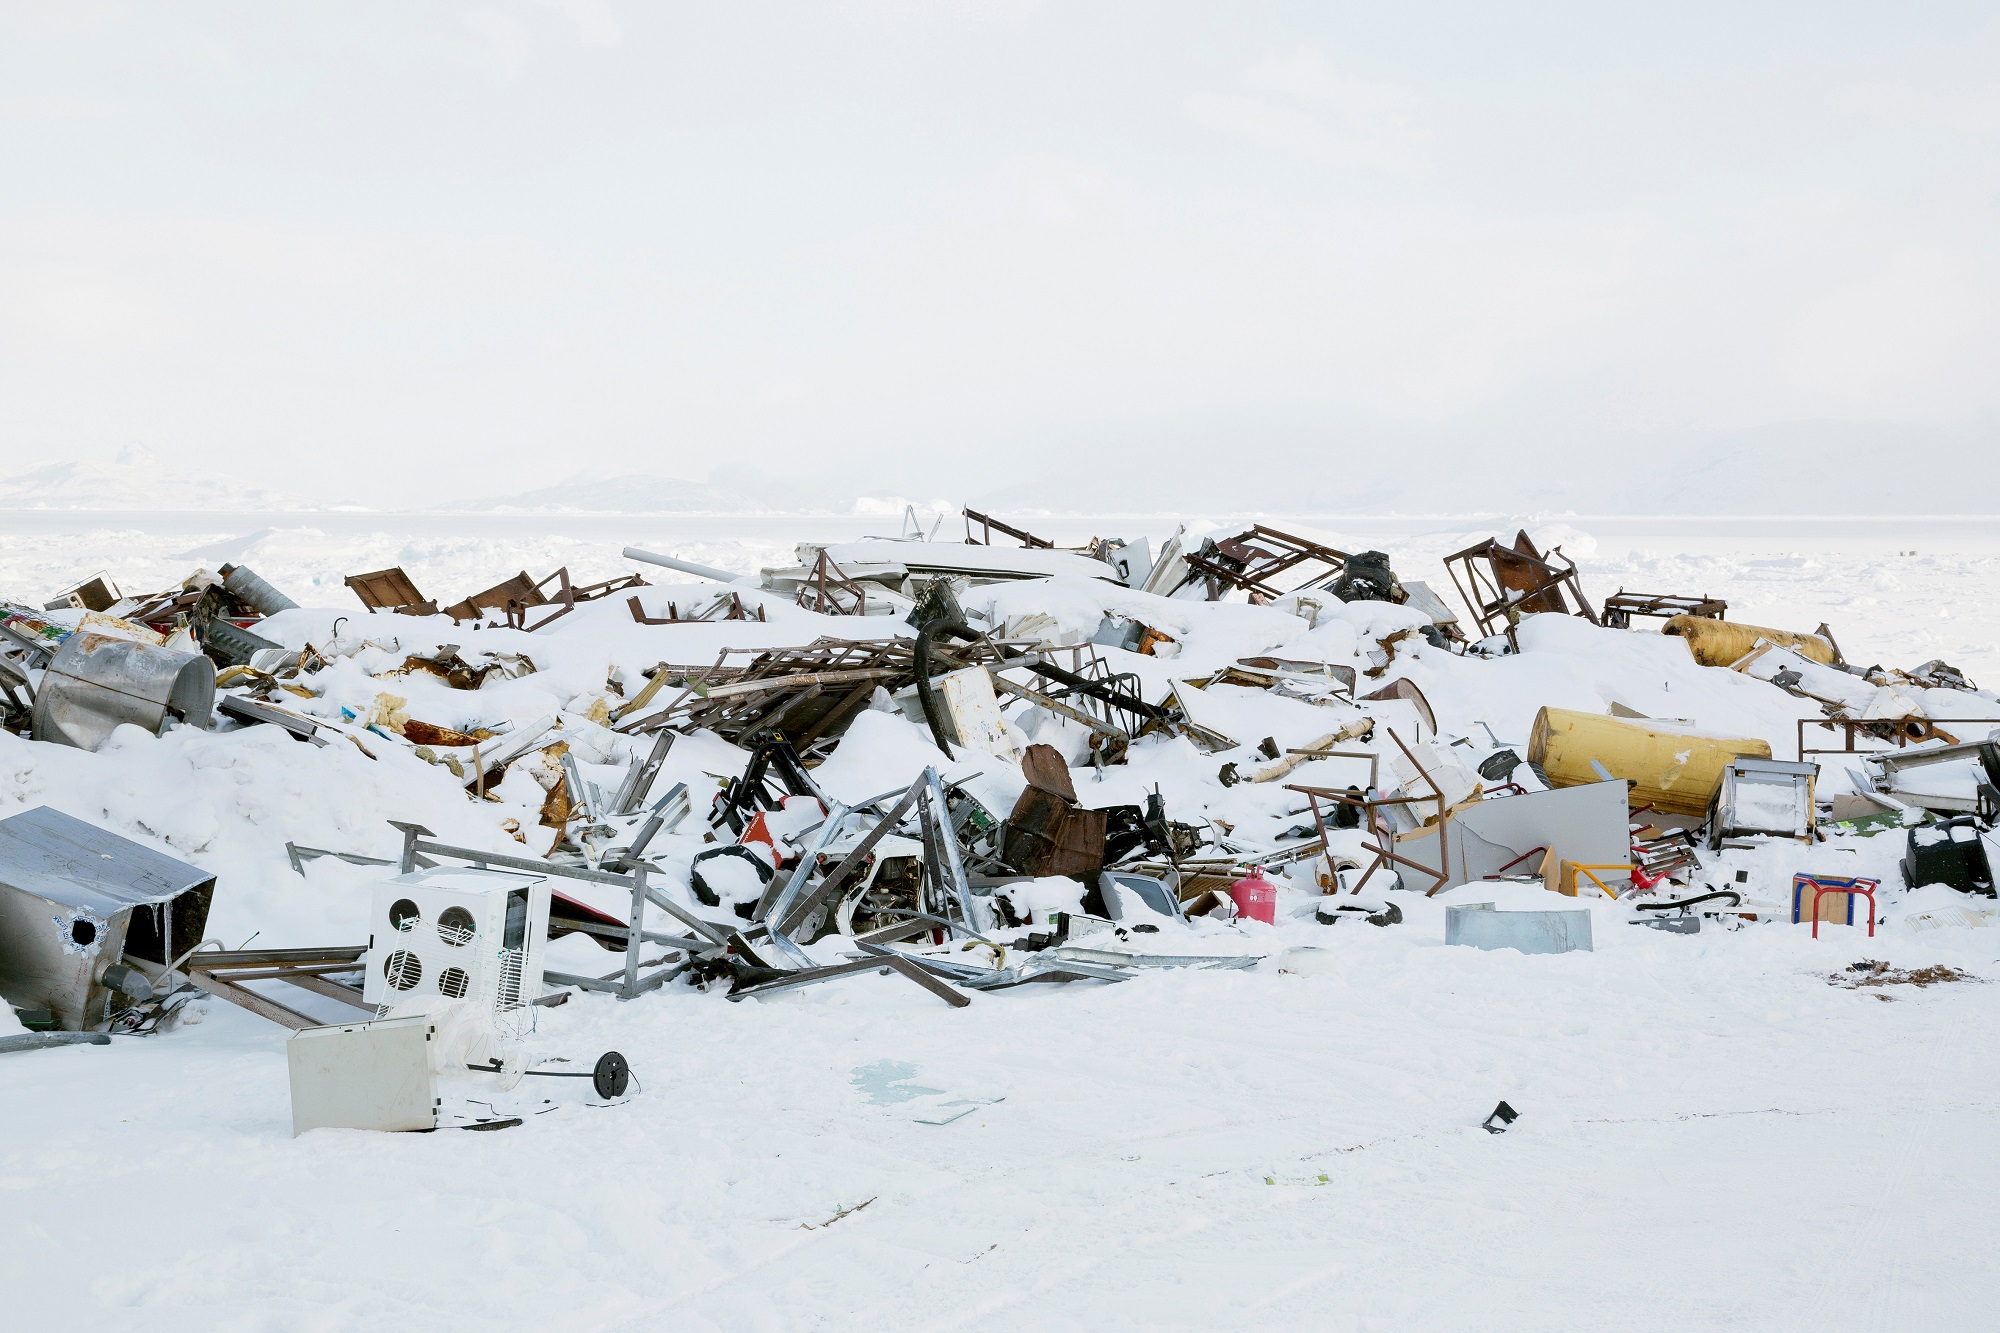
(1677,768)
(1723,643)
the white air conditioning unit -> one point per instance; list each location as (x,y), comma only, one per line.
(458,932)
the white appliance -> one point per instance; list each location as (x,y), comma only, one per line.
(460,932)
(364,1075)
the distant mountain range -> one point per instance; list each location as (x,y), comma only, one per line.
(136,480)
(1793,469)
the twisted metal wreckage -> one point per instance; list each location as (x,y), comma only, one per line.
(918,882)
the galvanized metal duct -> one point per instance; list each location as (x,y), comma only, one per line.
(96,683)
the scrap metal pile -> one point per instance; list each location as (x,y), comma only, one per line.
(980,866)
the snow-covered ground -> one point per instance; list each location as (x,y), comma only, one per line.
(1710,1133)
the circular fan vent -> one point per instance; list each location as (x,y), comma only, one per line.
(453,983)
(404,916)
(456,926)
(403,969)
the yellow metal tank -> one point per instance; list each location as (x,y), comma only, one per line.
(1677,768)
(1722,643)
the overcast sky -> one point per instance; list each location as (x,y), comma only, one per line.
(500,242)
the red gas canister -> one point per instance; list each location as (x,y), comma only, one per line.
(1255,897)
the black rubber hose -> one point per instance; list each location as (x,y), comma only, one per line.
(927,698)
(1735,900)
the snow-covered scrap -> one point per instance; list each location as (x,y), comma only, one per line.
(976,766)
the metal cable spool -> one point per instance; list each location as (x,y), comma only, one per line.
(612,1076)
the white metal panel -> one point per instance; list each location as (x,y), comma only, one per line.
(364,1076)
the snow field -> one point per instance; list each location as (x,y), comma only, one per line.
(1711,1134)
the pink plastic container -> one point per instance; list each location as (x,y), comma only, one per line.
(1255,897)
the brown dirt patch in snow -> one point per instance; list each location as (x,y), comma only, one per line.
(1872,973)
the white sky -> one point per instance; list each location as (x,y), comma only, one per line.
(675,237)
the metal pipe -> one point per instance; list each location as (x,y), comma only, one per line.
(35,1041)
(229,644)
(684,566)
(255,591)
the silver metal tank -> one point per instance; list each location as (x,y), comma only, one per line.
(96,683)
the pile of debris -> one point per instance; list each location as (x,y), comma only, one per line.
(984,866)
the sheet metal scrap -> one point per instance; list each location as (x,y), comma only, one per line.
(451,668)
(90,920)
(820,888)
(520,588)
(203,597)
(1621,606)
(390,590)
(1502,583)
(1048,833)
(96,593)
(1254,558)
(1938,674)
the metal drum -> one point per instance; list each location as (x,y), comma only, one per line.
(96,683)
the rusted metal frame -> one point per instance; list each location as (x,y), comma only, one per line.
(1255,576)
(864,662)
(663,676)
(826,585)
(333,990)
(769,723)
(1548,591)
(244,997)
(673,616)
(590,592)
(1444,845)
(496,598)
(1621,606)
(277,971)
(314,977)
(989,525)
(769,683)
(1506,605)
(856,700)
(781,669)
(351,954)
(387,590)
(1850,725)
(1369,806)
(1532,851)
(565,600)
